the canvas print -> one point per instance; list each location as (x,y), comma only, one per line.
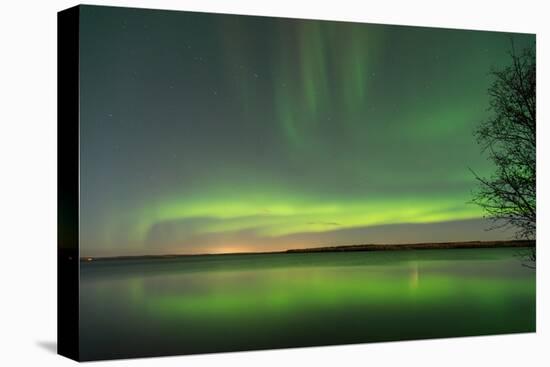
(232,183)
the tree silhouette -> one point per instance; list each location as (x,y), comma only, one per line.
(509,137)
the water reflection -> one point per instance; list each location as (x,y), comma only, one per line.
(195,305)
(414,275)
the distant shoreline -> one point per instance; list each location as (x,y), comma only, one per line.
(343,248)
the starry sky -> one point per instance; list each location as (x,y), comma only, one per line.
(210,133)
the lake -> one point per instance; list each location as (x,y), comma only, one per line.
(217,303)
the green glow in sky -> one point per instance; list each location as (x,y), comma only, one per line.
(216,133)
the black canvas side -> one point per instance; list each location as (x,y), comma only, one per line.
(68,182)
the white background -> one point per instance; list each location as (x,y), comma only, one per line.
(28,183)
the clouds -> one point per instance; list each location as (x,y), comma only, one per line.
(187,236)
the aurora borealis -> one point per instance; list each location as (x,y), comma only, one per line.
(219,133)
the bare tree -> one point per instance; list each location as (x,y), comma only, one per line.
(509,137)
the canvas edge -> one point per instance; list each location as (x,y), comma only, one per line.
(68,182)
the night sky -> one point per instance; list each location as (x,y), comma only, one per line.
(204,133)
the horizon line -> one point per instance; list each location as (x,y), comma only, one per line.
(331,248)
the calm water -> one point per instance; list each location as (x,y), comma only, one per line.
(203,304)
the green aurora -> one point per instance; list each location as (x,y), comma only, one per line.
(222,133)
